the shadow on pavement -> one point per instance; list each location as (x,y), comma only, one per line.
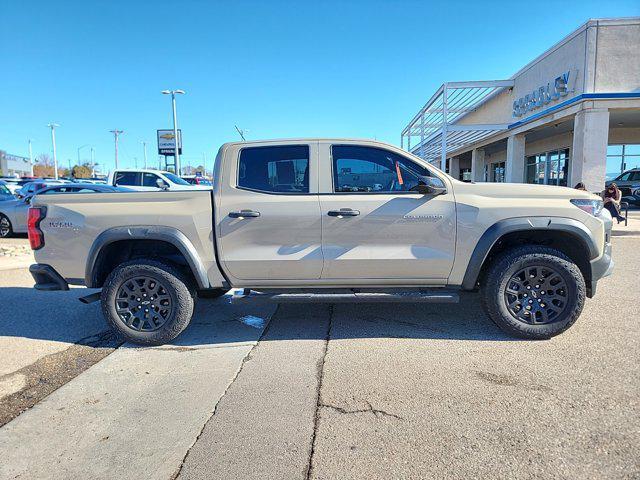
(59,316)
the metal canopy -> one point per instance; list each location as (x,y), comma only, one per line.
(434,124)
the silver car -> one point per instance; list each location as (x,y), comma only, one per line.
(13,213)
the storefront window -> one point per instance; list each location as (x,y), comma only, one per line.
(549,168)
(621,158)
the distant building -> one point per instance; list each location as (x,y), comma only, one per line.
(571,115)
(14,165)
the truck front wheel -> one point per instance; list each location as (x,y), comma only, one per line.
(533,292)
(147,302)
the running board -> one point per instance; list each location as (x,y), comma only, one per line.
(434,296)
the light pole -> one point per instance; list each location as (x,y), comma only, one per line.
(79,148)
(53,126)
(31,157)
(173,94)
(144,148)
(93,162)
(116,133)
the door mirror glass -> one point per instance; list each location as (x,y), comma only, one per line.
(431,186)
(162,184)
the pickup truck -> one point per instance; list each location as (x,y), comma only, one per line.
(326,220)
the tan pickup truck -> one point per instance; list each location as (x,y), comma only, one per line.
(326,220)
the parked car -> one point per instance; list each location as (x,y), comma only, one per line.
(5,193)
(14,184)
(629,184)
(150,180)
(197,180)
(278,224)
(31,188)
(13,213)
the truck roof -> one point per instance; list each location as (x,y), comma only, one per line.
(310,139)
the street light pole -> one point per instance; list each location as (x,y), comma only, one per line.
(31,157)
(144,148)
(53,126)
(116,133)
(175,125)
(93,162)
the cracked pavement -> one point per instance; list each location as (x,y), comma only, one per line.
(343,391)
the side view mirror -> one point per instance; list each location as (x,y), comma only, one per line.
(27,200)
(162,184)
(431,186)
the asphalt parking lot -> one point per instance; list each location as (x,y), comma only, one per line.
(321,391)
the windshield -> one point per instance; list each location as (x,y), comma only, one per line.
(175,179)
(4,190)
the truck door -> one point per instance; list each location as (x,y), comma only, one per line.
(268,214)
(375,225)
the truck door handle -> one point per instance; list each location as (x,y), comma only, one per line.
(244,214)
(344,212)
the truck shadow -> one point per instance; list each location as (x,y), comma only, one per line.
(60,317)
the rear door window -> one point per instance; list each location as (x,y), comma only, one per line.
(127,178)
(282,169)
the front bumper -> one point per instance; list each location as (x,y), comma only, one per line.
(47,278)
(601,267)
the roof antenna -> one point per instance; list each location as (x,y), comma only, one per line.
(241,132)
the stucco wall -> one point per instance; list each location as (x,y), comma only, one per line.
(617,59)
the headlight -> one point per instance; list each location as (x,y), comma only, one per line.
(594,207)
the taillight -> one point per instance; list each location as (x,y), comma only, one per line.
(36,237)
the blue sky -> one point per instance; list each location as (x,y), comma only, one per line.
(277,69)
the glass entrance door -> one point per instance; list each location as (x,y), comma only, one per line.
(549,168)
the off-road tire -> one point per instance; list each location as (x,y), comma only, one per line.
(211,293)
(177,288)
(6,233)
(500,273)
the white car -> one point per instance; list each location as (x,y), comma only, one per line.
(152,180)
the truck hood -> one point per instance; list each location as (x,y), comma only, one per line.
(520,190)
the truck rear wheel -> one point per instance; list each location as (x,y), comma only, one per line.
(147,302)
(533,292)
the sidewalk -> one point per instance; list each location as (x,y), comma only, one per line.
(632,229)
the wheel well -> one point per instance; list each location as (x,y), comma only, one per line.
(120,251)
(571,245)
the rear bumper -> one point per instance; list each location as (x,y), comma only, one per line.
(47,278)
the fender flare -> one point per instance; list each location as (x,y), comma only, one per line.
(524,224)
(162,233)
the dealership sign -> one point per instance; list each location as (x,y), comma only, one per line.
(167,142)
(542,95)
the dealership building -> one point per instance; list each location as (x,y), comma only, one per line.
(14,165)
(571,115)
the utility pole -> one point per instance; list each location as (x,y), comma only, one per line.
(241,132)
(53,126)
(175,125)
(116,134)
(93,162)
(144,148)
(31,157)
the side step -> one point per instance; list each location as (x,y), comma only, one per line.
(433,296)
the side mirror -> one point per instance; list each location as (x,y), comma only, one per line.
(27,200)
(431,186)
(162,184)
